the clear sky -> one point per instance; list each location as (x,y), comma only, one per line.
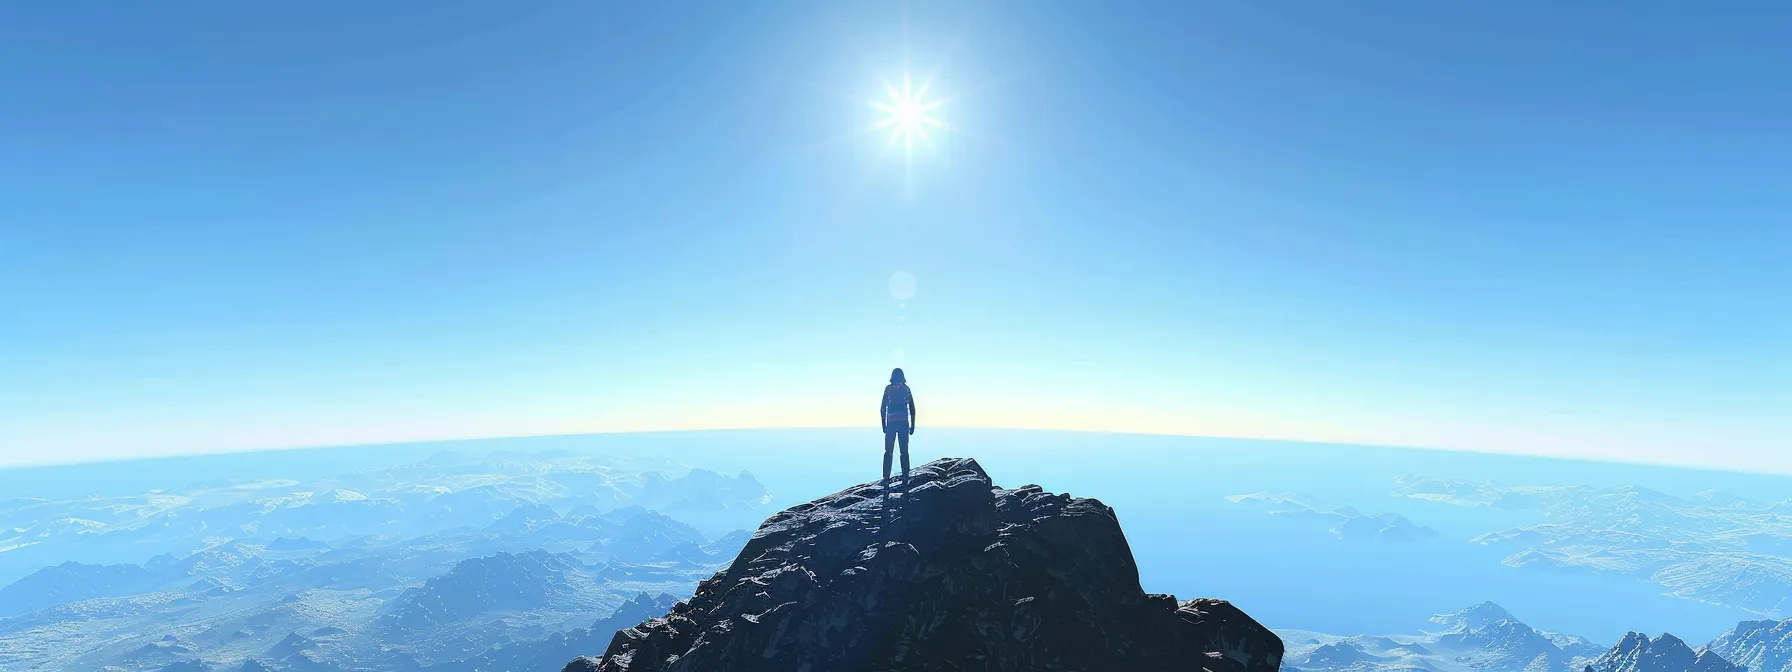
(1536,227)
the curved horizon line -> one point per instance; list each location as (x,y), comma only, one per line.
(845,427)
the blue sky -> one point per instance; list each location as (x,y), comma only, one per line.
(1519,227)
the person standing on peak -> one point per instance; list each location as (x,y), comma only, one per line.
(898,414)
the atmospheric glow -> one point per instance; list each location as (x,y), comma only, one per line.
(902,285)
(908,114)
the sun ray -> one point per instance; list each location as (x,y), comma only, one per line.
(908,114)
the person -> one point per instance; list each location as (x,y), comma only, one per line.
(898,413)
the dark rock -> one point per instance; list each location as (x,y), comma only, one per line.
(959,575)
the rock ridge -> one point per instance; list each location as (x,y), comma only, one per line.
(961,575)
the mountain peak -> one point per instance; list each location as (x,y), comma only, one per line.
(1475,617)
(500,581)
(961,575)
(1757,645)
(1337,655)
(1665,653)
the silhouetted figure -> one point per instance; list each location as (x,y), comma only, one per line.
(898,413)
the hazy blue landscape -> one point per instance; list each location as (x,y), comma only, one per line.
(470,554)
(423,336)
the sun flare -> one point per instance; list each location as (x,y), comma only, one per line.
(908,114)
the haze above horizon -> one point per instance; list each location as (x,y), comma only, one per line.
(1521,227)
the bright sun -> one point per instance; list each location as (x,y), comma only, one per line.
(908,114)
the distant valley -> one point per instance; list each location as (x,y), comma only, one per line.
(497,560)
(453,563)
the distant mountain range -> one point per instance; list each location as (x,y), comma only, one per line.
(535,581)
(1666,653)
(473,567)
(514,561)
(1483,637)
(1486,638)
(72,582)
(443,492)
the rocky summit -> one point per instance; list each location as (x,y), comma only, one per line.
(956,575)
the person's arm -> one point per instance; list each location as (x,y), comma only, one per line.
(883,420)
(911,411)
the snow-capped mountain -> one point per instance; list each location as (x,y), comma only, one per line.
(1484,637)
(1665,653)
(1759,646)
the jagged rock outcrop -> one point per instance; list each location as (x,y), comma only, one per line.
(1760,646)
(961,576)
(1667,653)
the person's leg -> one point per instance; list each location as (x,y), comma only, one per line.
(889,445)
(902,436)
